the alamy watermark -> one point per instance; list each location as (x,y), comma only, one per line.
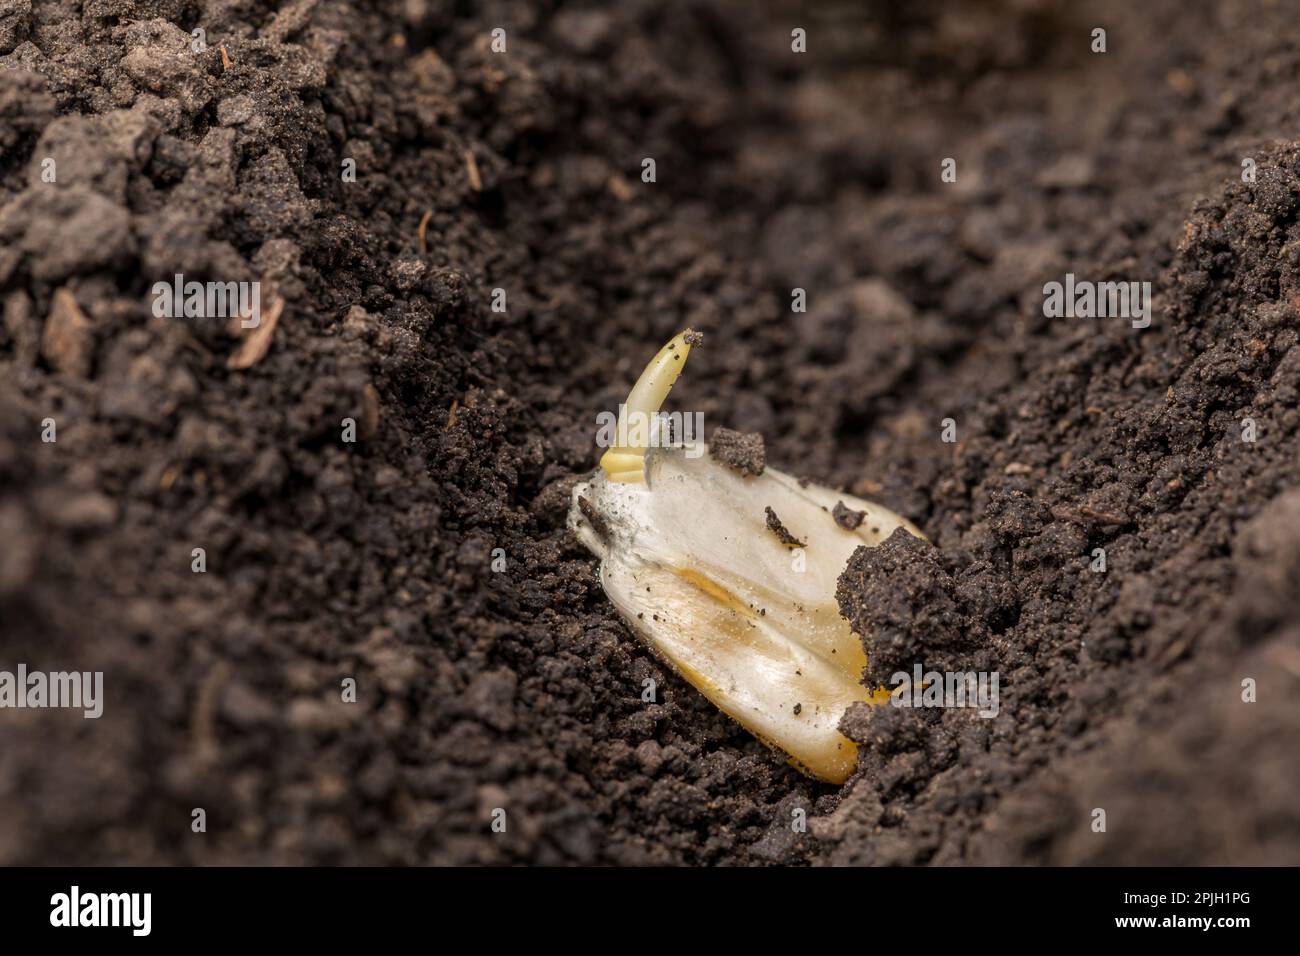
(635,429)
(79,690)
(130,910)
(922,688)
(209,300)
(1098,300)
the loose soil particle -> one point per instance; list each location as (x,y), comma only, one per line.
(781,531)
(846,517)
(742,453)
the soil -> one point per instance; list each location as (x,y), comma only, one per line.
(428,561)
(744,454)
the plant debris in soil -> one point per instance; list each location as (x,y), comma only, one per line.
(486,284)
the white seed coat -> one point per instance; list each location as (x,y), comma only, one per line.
(688,560)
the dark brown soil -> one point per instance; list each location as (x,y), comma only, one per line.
(481,685)
(744,453)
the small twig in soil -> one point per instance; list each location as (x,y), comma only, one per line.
(254,348)
(203,734)
(620,188)
(424,226)
(1091,515)
(471,169)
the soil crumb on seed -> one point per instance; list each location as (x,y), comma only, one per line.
(846,517)
(781,531)
(902,601)
(742,452)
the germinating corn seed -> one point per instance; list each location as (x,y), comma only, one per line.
(693,561)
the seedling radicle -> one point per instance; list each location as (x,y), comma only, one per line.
(747,616)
